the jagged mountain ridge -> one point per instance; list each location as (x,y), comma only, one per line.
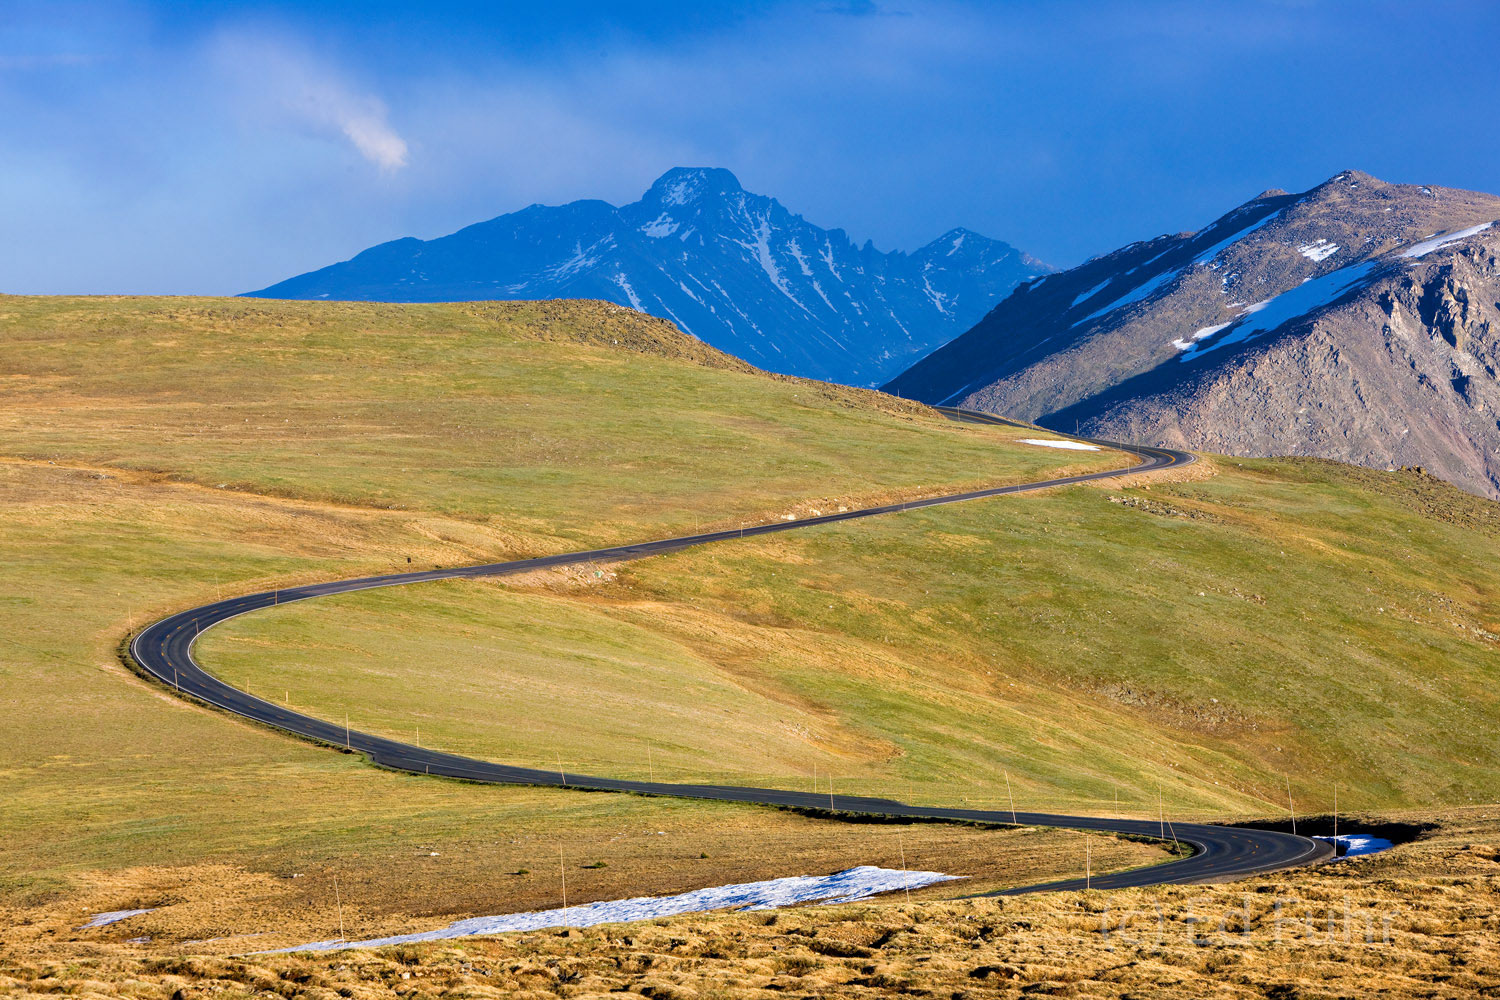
(1357,321)
(735,269)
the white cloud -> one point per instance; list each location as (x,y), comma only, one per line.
(281,80)
(375,138)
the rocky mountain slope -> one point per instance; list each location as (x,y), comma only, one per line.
(734,269)
(1357,321)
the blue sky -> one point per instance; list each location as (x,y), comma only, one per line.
(217,147)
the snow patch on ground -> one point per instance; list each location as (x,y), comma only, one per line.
(113,917)
(1318,250)
(1358,844)
(1059,443)
(1438,242)
(841,887)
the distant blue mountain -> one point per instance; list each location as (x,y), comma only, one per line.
(734,269)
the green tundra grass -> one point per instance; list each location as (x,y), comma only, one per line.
(158,452)
(1208,636)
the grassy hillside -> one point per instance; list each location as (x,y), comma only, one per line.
(1211,636)
(547,425)
(159,452)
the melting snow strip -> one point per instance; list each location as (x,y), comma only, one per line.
(1357,844)
(1059,443)
(841,887)
(113,917)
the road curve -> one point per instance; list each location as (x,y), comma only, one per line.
(164,651)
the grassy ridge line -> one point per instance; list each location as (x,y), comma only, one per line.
(555,425)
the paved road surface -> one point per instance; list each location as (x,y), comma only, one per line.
(164,650)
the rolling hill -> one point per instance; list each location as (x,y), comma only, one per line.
(733,268)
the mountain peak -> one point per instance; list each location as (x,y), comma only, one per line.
(685,185)
(733,268)
(1346,181)
(958,240)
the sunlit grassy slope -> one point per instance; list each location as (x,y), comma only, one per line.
(1211,636)
(550,424)
(157,452)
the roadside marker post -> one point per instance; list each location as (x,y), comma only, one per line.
(346,731)
(1012,798)
(1335,819)
(1291,806)
(562,870)
(1087,868)
(560,772)
(1161,811)
(340,904)
(901,844)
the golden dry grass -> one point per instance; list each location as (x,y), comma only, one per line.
(1422,920)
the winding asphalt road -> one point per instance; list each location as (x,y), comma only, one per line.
(164,651)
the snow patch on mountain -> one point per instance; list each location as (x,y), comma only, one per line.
(933,294)
(662,225)
(1207,256)
(1439,242)
(625,286)
(1318,250)
(1084,296)
(1141,292)
(1264,317)
(581,260)
(680,192)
